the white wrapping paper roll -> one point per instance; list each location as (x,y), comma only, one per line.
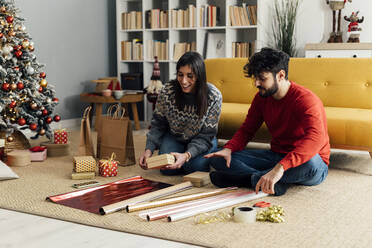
(244,214)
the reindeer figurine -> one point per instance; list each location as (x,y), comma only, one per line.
(353,28)
(336,37)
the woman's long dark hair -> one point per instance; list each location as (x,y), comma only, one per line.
(196,62)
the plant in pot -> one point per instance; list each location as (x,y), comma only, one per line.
(283,26)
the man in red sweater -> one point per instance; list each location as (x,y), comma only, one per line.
(297,122)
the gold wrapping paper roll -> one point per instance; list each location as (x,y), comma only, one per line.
(147,205)
(146,197)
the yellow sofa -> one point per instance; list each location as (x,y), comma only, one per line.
(343,84)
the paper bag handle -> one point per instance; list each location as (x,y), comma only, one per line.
(86,112)
(118,113)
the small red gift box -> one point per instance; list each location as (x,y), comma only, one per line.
(38,153)
(108,167)
(60,136)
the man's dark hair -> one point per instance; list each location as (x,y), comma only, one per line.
(267,60)
(196,62)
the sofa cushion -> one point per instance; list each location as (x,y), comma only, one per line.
(344,125)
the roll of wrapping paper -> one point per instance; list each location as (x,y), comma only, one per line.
(214,206)
(146,197)
(193,205)
(148,205)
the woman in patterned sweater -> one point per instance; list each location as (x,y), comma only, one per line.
(185,119)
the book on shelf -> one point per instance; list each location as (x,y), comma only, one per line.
(183,18)
(243,49)
(209,15)
(131,20)
(132,50)
(243,16)
(157,48)
(181,48)
(156,18)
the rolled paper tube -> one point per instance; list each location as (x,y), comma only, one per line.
(214,206)
(147,205)
(196,204)
(145,197)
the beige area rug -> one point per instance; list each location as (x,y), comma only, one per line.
(336,213)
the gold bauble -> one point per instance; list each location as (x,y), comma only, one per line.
(42,131)
(43,83)
(2,22)
(33,106)
(25,43)
(13,86)
(2,9)
(11,33)
(10,139)
(31,48)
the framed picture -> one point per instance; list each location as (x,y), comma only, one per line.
(215,45)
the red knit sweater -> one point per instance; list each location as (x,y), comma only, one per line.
(297,124)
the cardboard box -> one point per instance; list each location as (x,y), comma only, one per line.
(160,161)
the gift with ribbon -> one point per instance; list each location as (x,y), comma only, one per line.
(84,164)
(108,167)
(60,136)
(38,153)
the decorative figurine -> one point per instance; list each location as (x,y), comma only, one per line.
(353,27)
(336,36)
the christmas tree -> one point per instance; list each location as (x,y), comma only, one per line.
(27,100)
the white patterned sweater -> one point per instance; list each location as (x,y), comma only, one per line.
(197,133)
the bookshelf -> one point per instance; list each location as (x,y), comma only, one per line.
(180,21)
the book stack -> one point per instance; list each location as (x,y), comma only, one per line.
(160,161)
(131,20)
(181,48)
(156,18)
(198,178)
(183,18)
(243,49)
(132,50)
(157,48)
(243,16)
(209,15)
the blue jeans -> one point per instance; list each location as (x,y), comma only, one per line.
(170,144)
(258,162)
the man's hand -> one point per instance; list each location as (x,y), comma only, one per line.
(225,153)
(180,160)
(267,181)
(142,160)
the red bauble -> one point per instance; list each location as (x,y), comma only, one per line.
(57,118)
(16,68)
(17,47)
(1,35)
(33,126)
(13,104)
(49,120)
(55,99)
(18,53)
(9,19)
(40,89)
(21,121)
(42,74)
(5,86)
(44,112)
(20,86)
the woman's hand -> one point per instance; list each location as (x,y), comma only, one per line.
(142,160)
(180,160)
(225,153)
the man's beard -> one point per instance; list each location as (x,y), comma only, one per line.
(270,91)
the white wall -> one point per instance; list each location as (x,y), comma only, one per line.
(314,21)
(75,39)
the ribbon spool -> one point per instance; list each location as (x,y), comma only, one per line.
(244,215)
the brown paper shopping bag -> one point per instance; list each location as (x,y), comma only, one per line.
(86,141)
(115,136)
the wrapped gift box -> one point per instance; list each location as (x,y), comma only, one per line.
(38,153)
(19,158)
(60,136)
(108,168)
(84,164)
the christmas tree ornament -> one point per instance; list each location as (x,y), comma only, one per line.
(21,121)
(42,74)
(10,139)
(11,33)
(31,48)
(49,120)
(13,104)
(32,126)
(5,86)
(9,19)
(16,68)
(33,106)
(20,85)
(30,70)
(44,112)
(42,132)
(2,9)
(55,99)
(13,86)
(7,49)
(22,28)
(25,44)
(41,89)
(1,35)
(18,53)
(49,100)
(43,83)
(57,118)
(17,47)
